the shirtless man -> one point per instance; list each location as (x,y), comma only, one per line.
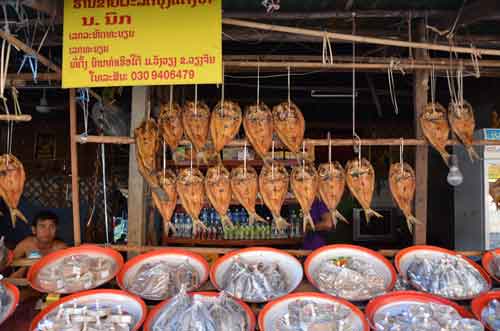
(41,243)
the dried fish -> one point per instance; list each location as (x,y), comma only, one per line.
(254,281)
(160,280)
(218,189)
(491,315)
(495,265)
(201,313)
(191,193)
(308,315)
(146,146)
(289,125)
(170,124)
(273,184)
(463,124)
(12,178)
(76,273)
(435,126)
(225,123)
(424,317)
(6,301)
(244,187)
(4,254)
(258,124)
(331,188)
(402,183)
(447,276)
(165,198)
(360,179)
(304,183)
(196,122)
(495,193)
(349,278)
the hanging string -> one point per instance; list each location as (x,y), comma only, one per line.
(258,85)
(354,134)
(359,151)
(191,160)
(451,88)
(390,78)
(245,160)
(410,50)
(84,100)
(4,65)
(303,159)
(171,97)
(222,96)
(327,50)
(195,99)
(475,56)
(401,147)
(103,156)
(164,160)
(433,87)
(329,148)
(460,86)
(289,92)
(272,161)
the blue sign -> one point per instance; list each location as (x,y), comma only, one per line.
(492,134)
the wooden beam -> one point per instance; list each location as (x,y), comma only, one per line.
(136,183)
(75,183)
(15,118)
(480,10)
(420,90)
(359,39)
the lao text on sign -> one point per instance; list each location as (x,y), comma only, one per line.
(141,42)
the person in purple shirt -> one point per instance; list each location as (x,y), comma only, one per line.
(323,222)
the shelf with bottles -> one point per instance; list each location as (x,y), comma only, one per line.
(241,230)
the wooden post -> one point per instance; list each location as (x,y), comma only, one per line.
(136,184)
(420,87)
(75,188)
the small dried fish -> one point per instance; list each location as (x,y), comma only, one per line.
(12,178)
(165,198)
(196,122)
(170,124)
(402,183)
(495,193)
(244,187)
(491,315)
(218,189)
(360,179)
(146,146)
(289,125)
(258,124)
(331,188)
(191,193)
(225,123)
(436,129)
(463,124)
(273,184)
(304,183)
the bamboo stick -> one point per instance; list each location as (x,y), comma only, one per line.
(75,188)
(15,118)
(359,39)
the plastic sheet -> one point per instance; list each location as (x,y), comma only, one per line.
(307,315)
(201,313)
(495,265)
(349,278)
(255,282)
(5,302)
(76,273)
(447,276)
(491,315)
(95,317)
(425,317)
(161,280)
(4,254)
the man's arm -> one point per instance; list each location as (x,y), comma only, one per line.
(19,253)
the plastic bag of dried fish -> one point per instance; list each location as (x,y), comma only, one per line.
(255,282)
(94,317)
(447,276)
(491,315)
(305,315)
(201,313)
(4,254)
(349,278)
(76,273)
(5,300)
(425,317)
(495,265)
(161,280)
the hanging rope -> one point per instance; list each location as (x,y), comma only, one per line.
(289,93)
(327,50)
(195,99)
(4,65)
(475,56)
(410,50)
(83,100)
(258,85)
(104,187)
(401,147)
(222,94)
(390,78)
(354,134)
(433,87)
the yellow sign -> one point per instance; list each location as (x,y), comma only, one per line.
(141,42)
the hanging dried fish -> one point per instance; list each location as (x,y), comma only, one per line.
(191,193)
(165,198)
(436,129)
(360,179)
(225,123)
(218,189)
(170,124)
(12,178)
(495,193)
(331,188)
(402,183)
(146,146)
(258,124)
(289,125)
(304,183)
(244,187)
(463,124)
(273,184)
(196,122)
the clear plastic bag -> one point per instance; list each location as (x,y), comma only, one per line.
(491,315)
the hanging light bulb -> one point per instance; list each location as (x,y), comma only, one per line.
(455,176)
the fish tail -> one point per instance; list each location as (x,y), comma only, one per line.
(167,227)
(369,213)
(411,221)
(254,217)
(473,154)
(15,214)
(336,217)
(281,223)
(308,221)
(226,221)
(446,157)
(198,225)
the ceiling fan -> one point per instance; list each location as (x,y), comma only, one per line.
(44,107)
